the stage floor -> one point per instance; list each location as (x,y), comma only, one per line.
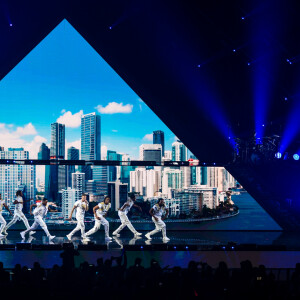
(204,239)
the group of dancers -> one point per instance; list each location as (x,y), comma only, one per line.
(159,213)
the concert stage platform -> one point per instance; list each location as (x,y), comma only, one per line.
(274,249)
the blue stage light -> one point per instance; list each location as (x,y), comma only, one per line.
(110,27)
(142,247)
(10,24)
(186,247)
(248,64)
(232,248)
(263,125)
(243,18)
(198,66)
(287,60)
(296,156)
(278,155)
(223,247)
(174,247)
(285,98)
(233,50)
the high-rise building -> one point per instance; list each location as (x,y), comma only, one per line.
(69,197)
(117,192)
(220,178)
(78,182)
(114,171)
(57,177)
(90,141)
(179,151)
(17,176)
(168,155)
(100,177)
(159,138)
(57,148)
(72,154)
(44,154)
(151,152)
(171,179)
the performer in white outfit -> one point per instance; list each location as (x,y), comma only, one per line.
(100,212)
(81,207)
(123,211)
(39,214)
(2,220)
(159,213)
(18,213)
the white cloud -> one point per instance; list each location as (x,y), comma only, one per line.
(148,137)
(115,108)
(69,119)
(114,130)
(63,111)
(26,130)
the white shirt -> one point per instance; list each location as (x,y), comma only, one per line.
(103,209)
(41,210)
(158,211)
(19,205)
(127,208)
(80,208)
(1,205)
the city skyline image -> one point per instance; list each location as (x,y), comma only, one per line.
(72,104)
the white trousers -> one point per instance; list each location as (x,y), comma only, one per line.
(125,222)
(160,225)
(2,223)
(17,216)
(38,221)
(97,225)
(80,226)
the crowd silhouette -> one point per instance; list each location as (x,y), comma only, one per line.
(113,279)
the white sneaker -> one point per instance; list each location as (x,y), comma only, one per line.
(166,239)
(4,232)
(32,232)
(116,234)
(22,235)
(51,237)
(138,233)
(2,236)
(108,238)
(136,237)
(148,236)
(69,237)
(85,240)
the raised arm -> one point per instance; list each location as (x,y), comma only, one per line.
(7,208)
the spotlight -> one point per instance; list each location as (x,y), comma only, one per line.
(204,164)
(198,66)
(278,155)
(110,27)
(232,247)
(296,157)
(248,64)
(174,247)
(186,247)
(214,164)
(223,247)
(233,50)
(263,125)
(142,247)
(285,98)
(288,61)
(10,24)
(243,18)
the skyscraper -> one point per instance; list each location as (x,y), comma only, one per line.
(179,151)
(113,170)
(57,181)
(44,154)
(117,192)
(149,152)
(90,141)
(73,154)
(159,138)
(69,197)
(78,182)
(14,177)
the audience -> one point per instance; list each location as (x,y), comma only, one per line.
(113,279)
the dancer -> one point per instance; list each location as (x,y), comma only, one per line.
(123,211)
(39,214)
(100,212)
(2,220)
(157,212)
(18,213)
(81,207)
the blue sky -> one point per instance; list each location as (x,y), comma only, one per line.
(59,80)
